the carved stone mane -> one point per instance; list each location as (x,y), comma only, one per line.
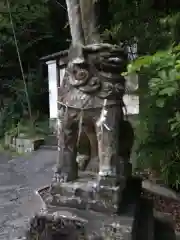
(95,78)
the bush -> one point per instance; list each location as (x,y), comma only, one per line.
(159,132)
(15,109)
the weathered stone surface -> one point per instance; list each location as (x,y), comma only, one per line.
(22,144)
(93,165)
(86,194)
(83,195)
(74,224)
(160,190)
(58,225)
(82,160)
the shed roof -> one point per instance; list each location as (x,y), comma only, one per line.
(54,56)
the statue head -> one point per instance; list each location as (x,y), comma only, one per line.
(97,68)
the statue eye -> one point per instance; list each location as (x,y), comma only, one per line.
(81,74)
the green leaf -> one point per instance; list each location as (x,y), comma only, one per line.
(167,91)
(163,75)
(172,74)
(124,74)
(177,116)
(160,103)
(155,80)
(177,66)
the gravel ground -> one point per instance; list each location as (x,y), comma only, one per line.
(19,177)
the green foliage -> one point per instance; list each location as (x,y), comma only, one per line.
(151,26)
(35,32)
(15,108)
(154,29)
(159,138)
(32,28)
(28,130)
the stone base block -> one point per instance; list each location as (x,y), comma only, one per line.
(73,224)
(83,194)
(76,221)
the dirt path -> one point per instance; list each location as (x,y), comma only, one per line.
(19,177)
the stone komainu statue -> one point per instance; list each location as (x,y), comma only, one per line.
(91,88)
(91,92)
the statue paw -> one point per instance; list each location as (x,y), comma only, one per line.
(59,177)
(82,161)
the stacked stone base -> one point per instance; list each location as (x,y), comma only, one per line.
(78,210)
(83,194)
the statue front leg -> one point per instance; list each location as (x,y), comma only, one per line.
(66,168)
(108,148)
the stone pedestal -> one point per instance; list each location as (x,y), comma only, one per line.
(79,210)
(83,194)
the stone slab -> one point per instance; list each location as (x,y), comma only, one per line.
(160,190)
(23,144)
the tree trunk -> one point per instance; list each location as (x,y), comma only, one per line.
(88,18)
(82,21)
(74,16)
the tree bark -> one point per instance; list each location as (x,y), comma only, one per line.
(74,16)
(88,19)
